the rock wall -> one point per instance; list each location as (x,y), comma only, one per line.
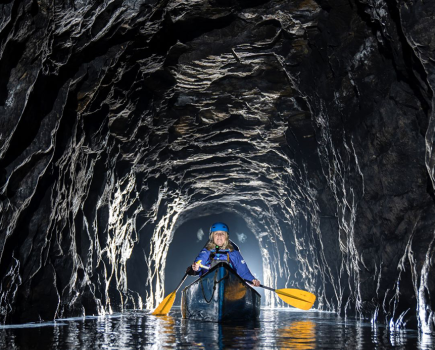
(313,121)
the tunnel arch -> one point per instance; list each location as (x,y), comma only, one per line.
(263,220)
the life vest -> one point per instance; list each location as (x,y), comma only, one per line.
(234,258)
(217,256)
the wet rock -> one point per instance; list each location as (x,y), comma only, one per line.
(312,121)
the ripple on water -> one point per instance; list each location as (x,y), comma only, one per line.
(276,329)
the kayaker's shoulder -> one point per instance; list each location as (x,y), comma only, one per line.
(235,253)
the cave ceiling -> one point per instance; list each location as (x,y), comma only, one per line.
(311,120)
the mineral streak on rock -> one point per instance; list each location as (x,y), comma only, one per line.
(312,120)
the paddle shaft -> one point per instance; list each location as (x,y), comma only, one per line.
(250,282)
(278,292)
(265,287)
(184,278)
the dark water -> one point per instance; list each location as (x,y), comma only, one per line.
(277,329)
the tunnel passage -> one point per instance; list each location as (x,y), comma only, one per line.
(261,208)
(121,121)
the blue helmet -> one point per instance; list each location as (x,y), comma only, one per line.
(219,226)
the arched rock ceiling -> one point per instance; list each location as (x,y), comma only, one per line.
(120,120)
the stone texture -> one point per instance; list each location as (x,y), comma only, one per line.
(313,121)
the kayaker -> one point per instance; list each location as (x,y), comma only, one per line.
(218,249)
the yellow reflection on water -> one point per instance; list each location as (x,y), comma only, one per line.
(163,334)
(298,335)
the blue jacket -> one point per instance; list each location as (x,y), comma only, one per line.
(235,259)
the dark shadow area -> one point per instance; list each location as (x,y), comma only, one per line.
(192,236)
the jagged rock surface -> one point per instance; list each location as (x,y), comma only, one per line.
(311,120)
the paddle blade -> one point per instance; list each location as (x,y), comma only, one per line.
(297,298)
(165,306)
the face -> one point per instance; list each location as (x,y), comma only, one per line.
(219,238)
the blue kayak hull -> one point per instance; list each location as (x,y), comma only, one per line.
(220,296)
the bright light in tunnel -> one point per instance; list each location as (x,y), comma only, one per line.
(200,235)
(241,237)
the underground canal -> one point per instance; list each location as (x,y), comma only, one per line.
(127,128)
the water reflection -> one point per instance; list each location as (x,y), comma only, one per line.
(276,329)
(211,335)
(426,341)
(298,335)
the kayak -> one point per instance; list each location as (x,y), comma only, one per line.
(220,295)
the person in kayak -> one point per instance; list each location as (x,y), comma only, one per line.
(218,249)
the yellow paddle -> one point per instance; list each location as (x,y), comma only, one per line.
(300,299)
(297,298)
(166,305)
